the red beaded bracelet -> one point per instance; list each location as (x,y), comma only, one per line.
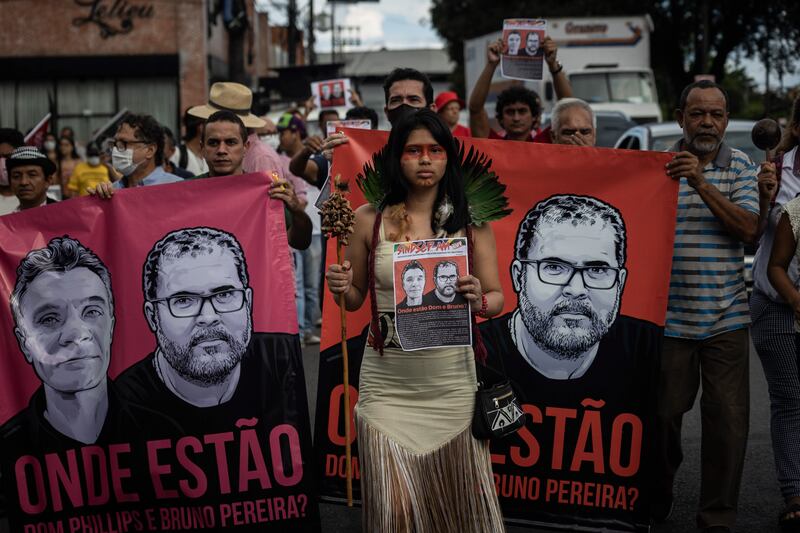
(484,306)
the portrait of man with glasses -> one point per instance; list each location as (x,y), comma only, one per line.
(209,369)
(569,275)
(445,280)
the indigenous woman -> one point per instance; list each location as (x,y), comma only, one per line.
(775,311)
(421,468)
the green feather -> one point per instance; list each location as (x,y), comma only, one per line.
(371,182)
(484,192)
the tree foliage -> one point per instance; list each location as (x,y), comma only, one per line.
(690,37)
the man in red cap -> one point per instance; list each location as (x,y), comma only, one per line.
(449,105)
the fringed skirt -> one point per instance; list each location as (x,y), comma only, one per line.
(422,471)
(449,490)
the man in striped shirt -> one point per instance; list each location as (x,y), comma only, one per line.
(719,206)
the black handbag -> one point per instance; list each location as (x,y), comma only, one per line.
(497,410)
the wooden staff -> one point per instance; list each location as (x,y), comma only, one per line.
(337,221)
(346,374)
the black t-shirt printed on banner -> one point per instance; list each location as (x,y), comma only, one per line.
(49,477)
(430,298)
(252,451)
(582,451)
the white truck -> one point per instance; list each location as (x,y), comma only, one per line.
(607,60)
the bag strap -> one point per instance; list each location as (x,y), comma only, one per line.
(374,325)
(477,342)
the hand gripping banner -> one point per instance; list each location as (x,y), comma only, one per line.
(151,374)
(585,220)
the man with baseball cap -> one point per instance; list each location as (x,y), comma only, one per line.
(30,173)
(449,105)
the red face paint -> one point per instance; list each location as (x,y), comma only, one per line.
(433,152)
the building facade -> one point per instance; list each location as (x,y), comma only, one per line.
(85,60)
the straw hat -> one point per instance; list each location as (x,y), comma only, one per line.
(229,96)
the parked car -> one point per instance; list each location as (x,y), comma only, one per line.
(611,125)
(660,136)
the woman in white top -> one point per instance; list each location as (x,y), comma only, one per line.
(775,311)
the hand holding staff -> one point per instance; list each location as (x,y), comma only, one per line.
(338,220)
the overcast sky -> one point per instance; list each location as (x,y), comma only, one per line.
(397,24)
(388,23)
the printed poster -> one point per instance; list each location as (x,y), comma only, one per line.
(152,378)
(523,58)
(429,311)
(334,126)
(331,93)
(584,261)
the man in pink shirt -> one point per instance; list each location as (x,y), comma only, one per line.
(259,157)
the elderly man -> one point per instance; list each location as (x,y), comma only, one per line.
(719,207)
(573,122)
(30,173)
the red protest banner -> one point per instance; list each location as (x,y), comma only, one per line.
(152,377)
(609,216)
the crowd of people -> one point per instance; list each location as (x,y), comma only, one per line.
(406,443)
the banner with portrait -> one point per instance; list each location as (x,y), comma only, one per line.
(152,377)
(584,263)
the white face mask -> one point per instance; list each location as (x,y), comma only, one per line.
(122,160)
(273,141)
(49,145)
(93,160)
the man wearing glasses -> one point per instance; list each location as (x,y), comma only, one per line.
(198,304)
(137,154)
(445,278)
(211,374)
(569,274)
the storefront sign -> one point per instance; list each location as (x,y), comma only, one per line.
(113,17)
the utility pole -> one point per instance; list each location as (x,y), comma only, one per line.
(292,32)
(333,31)
(312,56)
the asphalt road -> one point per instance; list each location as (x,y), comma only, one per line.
(759,502)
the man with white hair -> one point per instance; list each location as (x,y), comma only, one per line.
(573,122)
